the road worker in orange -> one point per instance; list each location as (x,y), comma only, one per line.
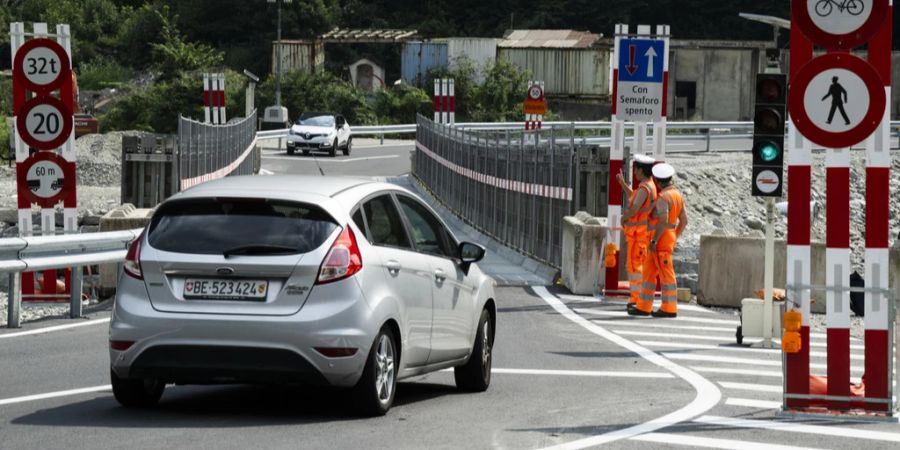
(635,220)
(667,222)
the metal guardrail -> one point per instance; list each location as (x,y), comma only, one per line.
(207,151)
(28,254)
(708,131)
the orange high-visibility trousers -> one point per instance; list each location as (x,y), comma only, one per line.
(659,263)
(637,252)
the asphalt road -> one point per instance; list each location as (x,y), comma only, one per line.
(569,371)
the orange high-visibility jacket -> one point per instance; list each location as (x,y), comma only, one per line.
(675,203)
(637,226)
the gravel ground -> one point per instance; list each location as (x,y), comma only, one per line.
(37,311)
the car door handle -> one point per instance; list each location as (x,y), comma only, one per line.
(393,267)
(439,275)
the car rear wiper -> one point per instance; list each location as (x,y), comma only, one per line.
(259,249)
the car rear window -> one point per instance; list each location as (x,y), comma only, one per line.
(214,225)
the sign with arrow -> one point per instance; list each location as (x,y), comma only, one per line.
(639,86)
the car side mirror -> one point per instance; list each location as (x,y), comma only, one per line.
(470,253)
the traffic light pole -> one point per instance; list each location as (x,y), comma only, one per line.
(769,276)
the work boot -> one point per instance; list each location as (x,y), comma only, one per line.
(637,312)
(663,314)
(631,306)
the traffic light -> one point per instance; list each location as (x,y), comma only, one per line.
(768,135)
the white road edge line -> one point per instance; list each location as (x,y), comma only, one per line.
(54,328)
(727,348)
(266,172)
(30,398)
(752,403)
(794,427)
(778,389)
(708,395)
(698,441)
(578,373)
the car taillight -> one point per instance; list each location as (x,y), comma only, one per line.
(132,266)
(343,259)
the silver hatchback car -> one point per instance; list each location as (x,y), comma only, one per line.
(315,280)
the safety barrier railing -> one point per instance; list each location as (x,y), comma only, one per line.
(207,152)
(709,131)
(512,185)
(32,254)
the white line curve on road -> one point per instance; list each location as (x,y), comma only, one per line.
(698,441)
(31,398)
(54,328)
(794,427)
(708,395)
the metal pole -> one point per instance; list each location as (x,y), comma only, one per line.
(14,303)
(278,63)
(75,288)
(769,274)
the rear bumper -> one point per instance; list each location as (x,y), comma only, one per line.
(194,348)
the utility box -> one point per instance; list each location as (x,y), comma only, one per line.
(149,169)
(752,315)
(592,180)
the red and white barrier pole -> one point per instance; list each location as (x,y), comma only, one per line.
(659,128)
(220,96)
(798,233)
(878,355)
(616,162)
(437,100)
(70,206)
(452,102)
(207,97)
(837,274)
(445,103)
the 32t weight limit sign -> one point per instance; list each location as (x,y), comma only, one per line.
(42,66)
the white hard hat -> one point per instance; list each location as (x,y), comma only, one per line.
(641,158)
(663,171)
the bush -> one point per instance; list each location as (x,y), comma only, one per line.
(498,98)
(102,73)
(401,104)
(317,91)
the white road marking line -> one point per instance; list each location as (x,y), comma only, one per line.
(778,389)
(793,427)
(54,328)
(29,398)
(752,403)
(722,339)
(696,308)
(774,351)
(751,362)
(676,319)
(579,373)
(584,373)
(329,160)
(266,172)
(610,301)
(708,395)
(729,371)
(698,441)
(657,324)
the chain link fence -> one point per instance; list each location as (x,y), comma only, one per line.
(513,185)
(207,152)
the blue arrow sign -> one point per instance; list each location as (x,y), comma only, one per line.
(641,60)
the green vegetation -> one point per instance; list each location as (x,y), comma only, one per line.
(168,44)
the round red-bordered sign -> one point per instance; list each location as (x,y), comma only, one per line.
(35,64)
(535,92)
(54,183)
(47,116)
(874,112)
(851,25)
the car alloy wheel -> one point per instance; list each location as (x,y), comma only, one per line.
(384,369)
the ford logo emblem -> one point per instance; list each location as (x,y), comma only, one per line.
(225,271)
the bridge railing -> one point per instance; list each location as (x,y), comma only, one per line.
(207,152)
(512,185)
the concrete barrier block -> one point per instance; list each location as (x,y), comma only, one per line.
(125,217)
(581,252)
(731,268)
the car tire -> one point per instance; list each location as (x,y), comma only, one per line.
(348,147)
(305,152)
(333,151)
(375,391)
(136,393)
(475,375)
(290,150)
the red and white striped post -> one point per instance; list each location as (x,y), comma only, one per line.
(616,162)
(207,99)
(437,100)
(798,232)
(444,101)
(659,128)
(878,339)
(451,102)
(214,98)
(534,121)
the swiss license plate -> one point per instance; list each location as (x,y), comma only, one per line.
(225,289)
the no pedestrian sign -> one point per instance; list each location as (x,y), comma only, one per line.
(837,100)
(639,87)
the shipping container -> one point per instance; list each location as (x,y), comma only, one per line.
(420,57)
(299,55)
(576,72)
(479,51)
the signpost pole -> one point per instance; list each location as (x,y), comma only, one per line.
(768,284)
